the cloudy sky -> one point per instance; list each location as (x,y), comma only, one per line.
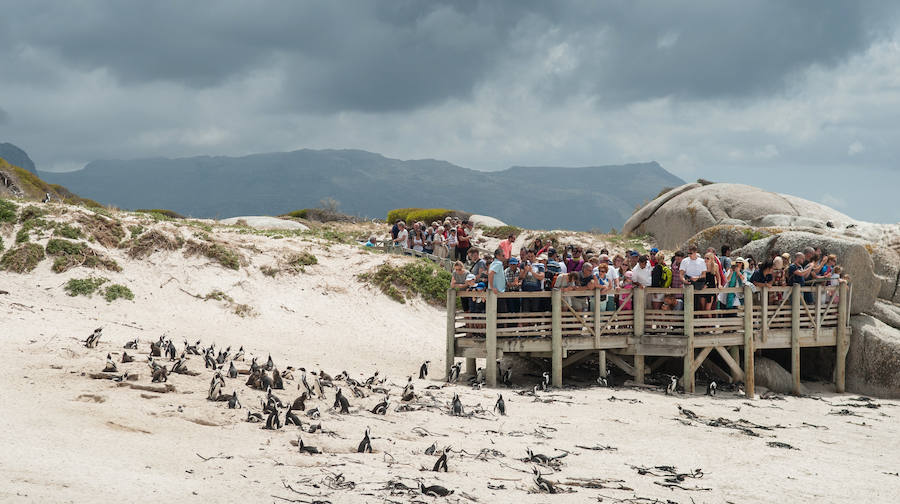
(800,97)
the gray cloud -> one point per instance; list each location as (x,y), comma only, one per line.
(4,116)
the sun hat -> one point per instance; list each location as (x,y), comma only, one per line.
(543,257)
(513,260)
(629,274)
(654,250)
(469,277)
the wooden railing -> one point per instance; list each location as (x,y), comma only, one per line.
(444,262)
(818,313)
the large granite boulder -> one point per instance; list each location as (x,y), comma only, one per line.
(873,361)
(888,313)
(721,234)
(887,272)
(769,374)
(853,256)
(679,214)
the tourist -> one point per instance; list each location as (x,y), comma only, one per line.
(660,277)
(604,286)
(439,242)
(373,242)
(653,258)
(533,273)
(677,279)
(507,244)
(417,239)
(763,276)
(462,244)
(553,264)
(478,266)
(625,299)
(724,260)
(428,248)
(402,238)
(710,281)
(797,274)
(642,274)
(513,284)
(587,282)
(458,281)
(734,279)
(496,279)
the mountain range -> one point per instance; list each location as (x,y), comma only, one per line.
(369,185)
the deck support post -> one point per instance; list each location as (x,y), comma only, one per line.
(795,337)
(490,341)
(640,307)
(556,338)
(601,363)
(749,344)
(842,343)
(451,332)
(735,352)
(688,377)
(764,314)
(598,327)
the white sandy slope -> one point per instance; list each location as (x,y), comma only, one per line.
(68,438)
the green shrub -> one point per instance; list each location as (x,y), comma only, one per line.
(220,253)
(31,212)
(135,230)
(7,211)
(160,213)
(429,215)
(67,231)
(299,214)
(298,262)
(501,232)
(217,295)
(84,286)
(423,278)
(116,291)
(107,231)
(243,310)
(269,271)
(399,214)
(71,254)
(57,246)
(23,258)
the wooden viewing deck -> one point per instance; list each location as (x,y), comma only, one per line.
(626,338)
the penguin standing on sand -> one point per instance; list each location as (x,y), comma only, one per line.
(382,407)
(269,363)
(239,355)
(454,373)
(233,402)
(711,388)
(126,358)
(545,382)
(291,418)
(441,463)
(232,370)
(479,376)
(500,405)
(365,446)
(423,370)
(305,383)
(110,365)
(300,403)
(341,402)
(274,420)
(672,388)
(94,338)
(277,383)
(507,377)
(456,407)
(170,350)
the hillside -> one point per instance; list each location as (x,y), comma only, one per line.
(17,157)
(369,185)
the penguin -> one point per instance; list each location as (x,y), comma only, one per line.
(269,363)
(179,367)
(441,461)
(291,418)
(408,395)
(272,397)
(232,371)
(234,402)
(313,413)
(159,375)
(314,427)
(358,392)
(131,345)
(372,379)
(430,450)
(46,198)
(479,376)
(254,417)
(500,405)
(365,446)
(209,361)
(740,390)
(121,378)
(454,373)
(434,490)
(303,448)
(456,407)
(170,350)
(239,355)
(288,374)
(507,377)
(423,370)
(253,365)
(274,420)
(711,388)
(305,383)
(477,385)
(326,377)
(192,349)
(156,347)
(602,381)
(126,358)
(300,403)
(265,383)
(341,402)
(672,388)
(539,458)
(94,338)
(215,387)
(382,407)
(545,383)
(277,383)
(542,484)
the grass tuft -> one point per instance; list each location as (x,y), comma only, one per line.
(23,258)
(218,252)
(84,286)
(8,211)
(422,278)
(116,291)
(501,232)
(297,263)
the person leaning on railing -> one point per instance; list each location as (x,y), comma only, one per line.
(513,284)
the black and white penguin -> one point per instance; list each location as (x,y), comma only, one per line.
(291,418)
(545,382)
(341,402)
(233,401)
(365,446)
(159,375)
(254,417)
(542,484)
(441,463)
(192,349)
(430,450)
(126,358)
(500,405)
(131,345)
(170,350)
(454,373)
(313,413)
(110,365)
(232,370)
(277,383)
(507,377)
(121,378)
(94,338)
(434,490)
(269,363)
(711,388)
(215,387)
(46,198)
(456,407)
(179,367)
(382,407)
(423,370)
(672,388)
(479,375)
(304,448)
(273,422)
(602,381)
(254,367)
(300,403)
(239,355)
(305,383)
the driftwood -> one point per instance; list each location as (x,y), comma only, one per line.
(159,389)
(111,376)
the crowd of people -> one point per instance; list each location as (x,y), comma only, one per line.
(540,266)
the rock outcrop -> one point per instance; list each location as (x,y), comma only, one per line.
(769,374)
(681,213)
(873,362)
(854,258)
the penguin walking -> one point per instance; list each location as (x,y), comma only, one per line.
(110,365)
(672,388)
(711,388)
(94,338)
(441,463)
(126,358)
(232,371)
(456,407)
(365,446)
(233,402)
(382,407)
(304,448)
(500,405)
(423,370)
(454,373)
(341,402)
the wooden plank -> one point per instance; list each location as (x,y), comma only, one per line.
(490,366)
(639,369)
(620,363)
(556,343)
(577,357)
(840,361)
(451,332)
(698,361)
(688,375)
(735,353)
(736,372)
(818,322)
(764,314)
(640,305)
(795,337)
(749,349)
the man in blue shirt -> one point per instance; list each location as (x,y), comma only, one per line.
(497,279)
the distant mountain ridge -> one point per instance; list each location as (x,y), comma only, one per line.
(17,157)
(369,184)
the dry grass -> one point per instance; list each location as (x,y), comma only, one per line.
(23,258)
(71,254)
(221,253)
(149,243)
(106,231)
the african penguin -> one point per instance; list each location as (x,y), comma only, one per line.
(500,405)
(711,388)
(365,446)
(672,388)
(423,370)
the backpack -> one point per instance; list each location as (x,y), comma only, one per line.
(666,279)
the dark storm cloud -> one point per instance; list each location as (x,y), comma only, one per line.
(400,55)
(4,116)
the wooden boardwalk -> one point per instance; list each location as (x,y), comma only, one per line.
(629,339)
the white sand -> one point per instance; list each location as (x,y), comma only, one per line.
(68,438)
